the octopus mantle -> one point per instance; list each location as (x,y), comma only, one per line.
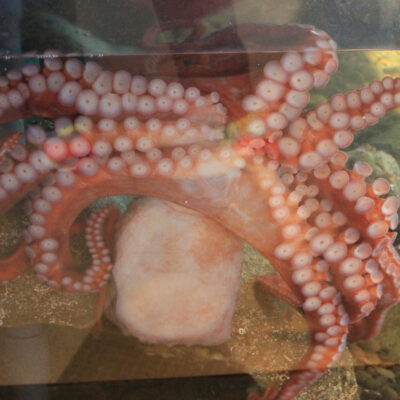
(249,157)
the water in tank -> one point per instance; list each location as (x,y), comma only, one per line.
(199,199)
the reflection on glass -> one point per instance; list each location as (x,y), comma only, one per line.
(144,190)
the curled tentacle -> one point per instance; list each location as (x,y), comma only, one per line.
(47,253)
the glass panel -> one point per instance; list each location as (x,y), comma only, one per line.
(141,26)
(162,161)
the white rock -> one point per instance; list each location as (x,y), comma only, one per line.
(177,275)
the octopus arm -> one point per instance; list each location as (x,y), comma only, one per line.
(307,274)
(48,245)
(281,94)
(335,254)
(201,179)
(61,88)
(318,134)
(369,327)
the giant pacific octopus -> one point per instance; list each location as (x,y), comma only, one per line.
(235,146)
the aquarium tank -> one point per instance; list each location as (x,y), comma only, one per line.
(199,199)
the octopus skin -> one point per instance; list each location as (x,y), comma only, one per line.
(280,182)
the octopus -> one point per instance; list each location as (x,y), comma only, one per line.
(236,147)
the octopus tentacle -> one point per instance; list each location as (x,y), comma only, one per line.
(315,139)
(97,235)
(65,88)
(100,139)
(355,271)
(361,235)
(23,167)
(60,88)
(99,180)
(388,258)
(306,272)
(310,208)
(15,183)
(320,133)
(282,93)
(371,217)
(328,340)
(48,247)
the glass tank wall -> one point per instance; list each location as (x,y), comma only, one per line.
(199,199)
